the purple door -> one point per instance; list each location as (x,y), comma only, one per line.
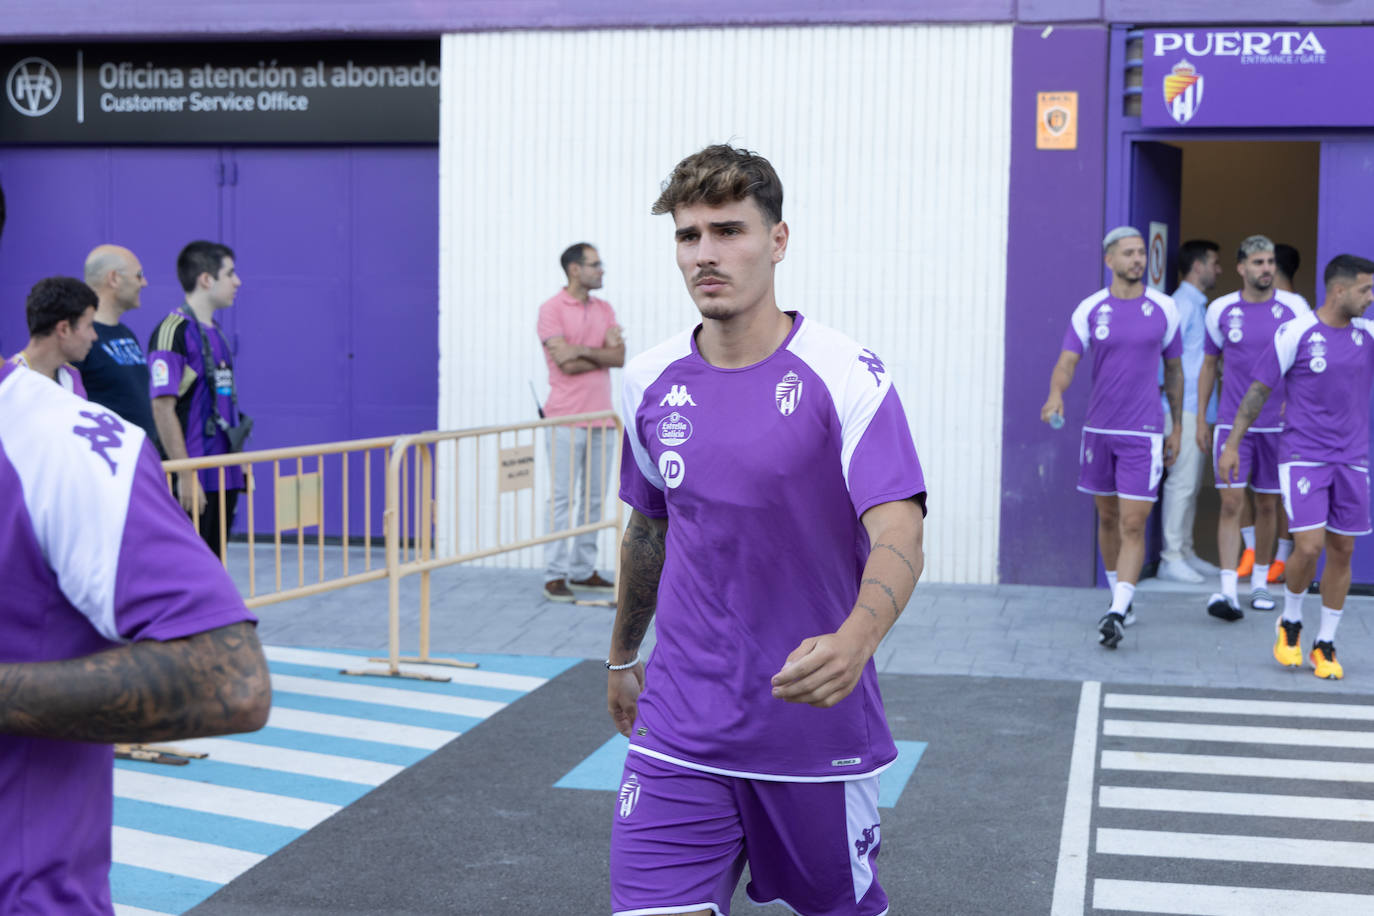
(1156,185)
(1345,225)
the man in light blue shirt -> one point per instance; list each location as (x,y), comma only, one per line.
(1198,265)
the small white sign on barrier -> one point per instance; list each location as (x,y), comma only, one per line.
(517,468)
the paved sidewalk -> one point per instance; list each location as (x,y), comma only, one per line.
(1002,631)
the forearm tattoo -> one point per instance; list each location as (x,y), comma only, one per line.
(1173,386)
(212,683)
(1251,404)
(887,590)
(901,556)
(641,563)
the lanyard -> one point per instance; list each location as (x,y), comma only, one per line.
(211,376)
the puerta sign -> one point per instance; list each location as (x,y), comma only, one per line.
(260,92)
(1257,76)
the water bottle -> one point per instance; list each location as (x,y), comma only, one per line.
(1056,421)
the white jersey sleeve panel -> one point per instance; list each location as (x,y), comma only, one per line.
(1079,319)
(1213,318)
(851,377)
(1171,316)
(638,375)
(1288,336)
(76,487)
(1295,303)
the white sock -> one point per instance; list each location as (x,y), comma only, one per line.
(1121,598)
(1331,618)
(1228,585)
(1292,606)
(1248,535)
(1111,581)
(1285,550)
(1259,578)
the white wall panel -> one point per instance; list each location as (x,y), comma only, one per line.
(893,145)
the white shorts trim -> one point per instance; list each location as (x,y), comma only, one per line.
(1138,499)
(764,777)
(781,902)
(1353,534)
(690,908)
(1097,492)
(1120,432)
(1321,524)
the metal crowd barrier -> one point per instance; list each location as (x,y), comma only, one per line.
(487,484)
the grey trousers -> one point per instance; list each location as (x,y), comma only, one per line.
(570,474)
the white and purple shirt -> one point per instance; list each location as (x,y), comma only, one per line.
(1242,333)
(94,553)
(1126,338)
(1327,374)
(763,473)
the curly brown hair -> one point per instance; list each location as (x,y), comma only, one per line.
(722,174)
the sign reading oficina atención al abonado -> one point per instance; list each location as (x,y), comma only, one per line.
(260,92)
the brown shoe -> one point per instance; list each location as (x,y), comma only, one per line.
(593,582)
(557,590)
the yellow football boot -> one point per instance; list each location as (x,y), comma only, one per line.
(1287,645)
(1323,656)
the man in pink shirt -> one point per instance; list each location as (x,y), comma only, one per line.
(581,343)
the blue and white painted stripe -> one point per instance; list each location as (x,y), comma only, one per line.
(182,833)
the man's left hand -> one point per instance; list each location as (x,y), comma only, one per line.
(821,671)
(1171,445)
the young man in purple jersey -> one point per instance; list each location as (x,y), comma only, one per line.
(1125,328)
(775,537)
(1325,362)
(1240,332)
(115,625)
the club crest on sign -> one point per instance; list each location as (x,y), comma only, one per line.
(1056,120)
(1183,91)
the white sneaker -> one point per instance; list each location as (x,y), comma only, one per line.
(1178,571)
(1200,565)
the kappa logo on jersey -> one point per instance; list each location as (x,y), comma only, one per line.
(1104,320)
(161,374)
(674,429)
(1316,349)
(871,837)
(673,469)
(104,435)
(1356,336)
(1147,307)
(677,396)
(788,393)
(1304,485)
(629,795)
(1235,318)
(875,365)
(1277,310)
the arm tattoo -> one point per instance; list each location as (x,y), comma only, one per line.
(212,683)
(1251,404)
(872,611)
(641,562)
(901,556)
(1173,387)
(896,611)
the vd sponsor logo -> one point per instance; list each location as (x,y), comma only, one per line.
(33,87)
(673,469)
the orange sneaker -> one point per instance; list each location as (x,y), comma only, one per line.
(1247,563)
(1276,572)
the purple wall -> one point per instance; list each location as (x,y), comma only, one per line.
(226,18)
(1054,259)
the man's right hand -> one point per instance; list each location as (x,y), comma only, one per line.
(1053,405)
(1204,436)
(190,494)
(622,696)
(1228,463)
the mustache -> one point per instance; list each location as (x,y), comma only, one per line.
(709,275)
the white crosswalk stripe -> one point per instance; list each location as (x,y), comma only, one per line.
(1178,780)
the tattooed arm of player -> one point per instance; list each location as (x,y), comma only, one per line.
(641,566)
(824,669)
(1173,389)
(1228,462)
(212,683)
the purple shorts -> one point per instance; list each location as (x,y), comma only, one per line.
(1128,465)
(680,838)
(1330,496)
(1259,460)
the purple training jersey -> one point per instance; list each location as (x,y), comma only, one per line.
(1126,338)
(94,553)
(1327,373)
(177,369)
(1242,333)
(763,473)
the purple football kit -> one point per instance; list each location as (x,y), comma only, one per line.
(1326,374)
(177,368)
(1242,334)
(763,473)
(1122,449)
(87,535)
